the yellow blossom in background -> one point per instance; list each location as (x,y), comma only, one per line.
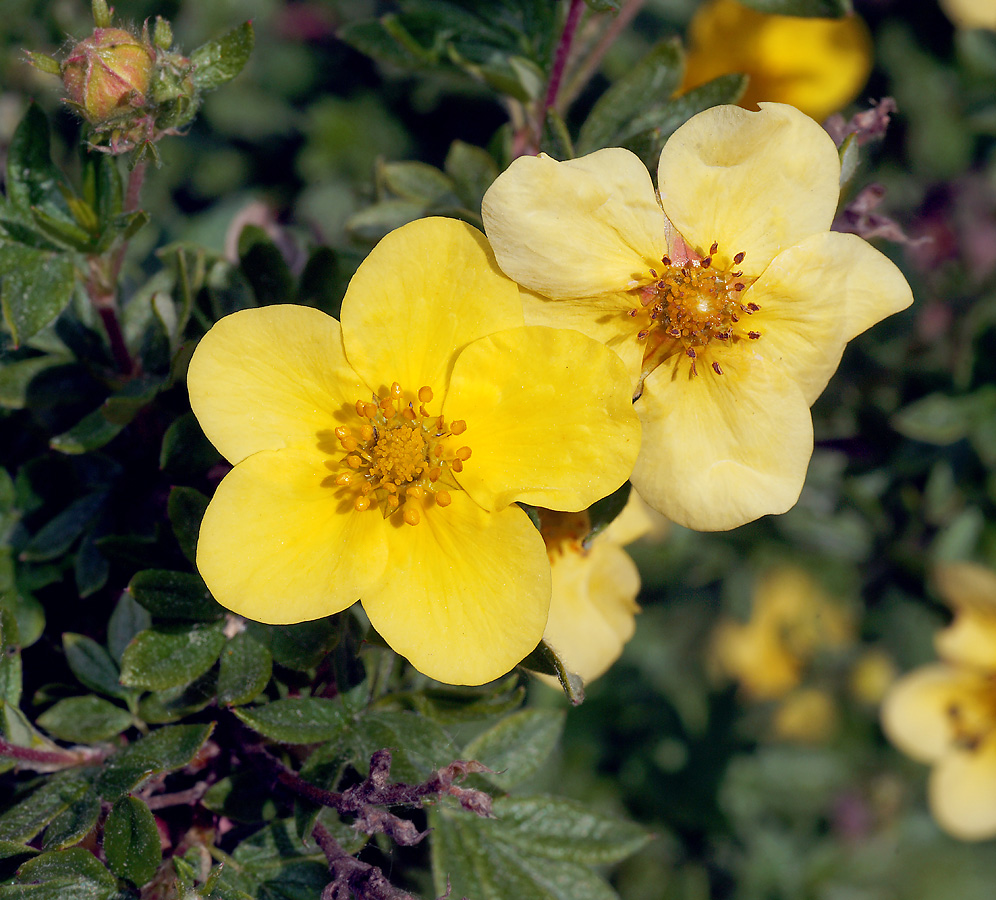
(806,716)
(791,621)
(593,607)
(945,713)
(730,306)
(971,13)
(382,459)
(816,65)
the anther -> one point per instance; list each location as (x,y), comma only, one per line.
(463,453)
(753,307)
(738,286)
(739,258)
(342,432)
(716,368)
(666,260)
(343,478)
(714,248)
(443,498)
(653,273)
(359,408)
(361,503)
(349,444)
(396,389)
(457,465)
(690,352)
(706,262)
(753,335)
(367,432)
(353,462)
(370,410)
(458,427)
(411,514)
(425,394)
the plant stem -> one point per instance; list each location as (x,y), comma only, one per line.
(563,52)
(60,759)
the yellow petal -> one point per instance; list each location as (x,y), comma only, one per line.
(722,450)
(817,65)
(592,613)
(579,228)
(277,546)
(755,182)
(970,590)
(466,592)
(605,318)
(753,655)
(263,379)
(971,13)
(967,586)
(962,792)
(424,292)
(549,419)
(916,710)
(816,296)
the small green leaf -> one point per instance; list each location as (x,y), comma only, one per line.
(651,81)
(264,266)
(166,749)
(127,620)
(186,452)
(373,222)
(35,286)
(10,656)
(85,720)
(169,656)
(59,533)
(419,746)
(27,817)
(518,745)
(296,720)
(416,181)
(301,646)
(104,424)
(602,513)
(545,659)
(174,704)
(131,841)
(941,420)
(174,595)
(850,157)
(73,874)
(238,798)
(473,170)
(821,9)
(556,139)
(33,180)
(92,665)
(185,509)
(221,60)
(245,670)
(74,823)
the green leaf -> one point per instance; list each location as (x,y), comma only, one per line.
(185,509)
(166,749)
(416,181)
(92,665)
(16,378)
(131,841)
(942,420)
(221,60)
(602,513)
(264,266)
(518,745)
(174,704)
(35,286)
(449,705)
(169,656)
(825,9)
(556,140)
(373,222)
(296,720)
(32,178)
(245,670)
(651,81)
(30,814)
(419,746)
(472,170)
(850,157)
(59,533)
(282,863)
(546,660)
(73,824)
(10,657)
(186,452)
(302,646)
(73,874)
(85,720)
(104,424)
(174,595)
(239,798)
(127,620)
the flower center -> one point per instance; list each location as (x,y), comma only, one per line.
(691,308)
(564,532)
(401,458)
(972,717)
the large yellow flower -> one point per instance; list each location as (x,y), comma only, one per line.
(945,713)
(593,610)
(382,460)
(971,13)
(816,65)
(730,306)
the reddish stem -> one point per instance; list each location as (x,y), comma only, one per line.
(63,759)
(563,52)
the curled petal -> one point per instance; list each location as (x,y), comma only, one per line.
(465,594)
(579,228)
(277,546)
(268,378)
(962,792)
(754,182)
(424,292)
(549,418)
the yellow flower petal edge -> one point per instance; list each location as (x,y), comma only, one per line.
(549,419)
(970,590)
(276,546)
(753,182)
(578,228)
(962,792)
(263,379)
(718,452)
(971,13)
(425,291)
(816,65)
(466,597)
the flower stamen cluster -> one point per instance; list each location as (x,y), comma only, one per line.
(401,456)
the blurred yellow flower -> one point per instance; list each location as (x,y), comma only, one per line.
(806,716)
(971,13)
(816,65)
(731,305)
(382,459)
(792,620)
(945,713)
(593,608)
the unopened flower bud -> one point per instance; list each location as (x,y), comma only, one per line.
(108,73)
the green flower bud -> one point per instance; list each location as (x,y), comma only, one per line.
(108,73)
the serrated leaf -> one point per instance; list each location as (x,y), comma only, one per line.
(55,794)
(518,745)
(73,874)
(822,9)
(245,668)
(170,656)
(473,170)
(92,665)
(72,825)
(166,749)
(85,720)
(651,81)
(277,858)
(385,40)
(131,841)
(35,286)
(55,537)
(296,720)
(219,61)
(174,595)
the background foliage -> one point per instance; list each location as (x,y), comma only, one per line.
(150,750)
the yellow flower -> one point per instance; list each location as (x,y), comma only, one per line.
(792,620)
(806,716)
(731,306)
(971,13)
(382,459)
(593,609)
(816,65)
(945,713)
